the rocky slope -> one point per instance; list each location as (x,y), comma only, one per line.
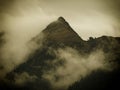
(57,35)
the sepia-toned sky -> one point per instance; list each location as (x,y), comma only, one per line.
(87,17)
(21,20)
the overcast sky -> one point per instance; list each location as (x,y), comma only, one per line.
(21,20)
(87,17)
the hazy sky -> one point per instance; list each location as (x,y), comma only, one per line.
(87,17)
(21,20)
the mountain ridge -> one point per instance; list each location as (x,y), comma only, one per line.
(60,31)
(59,35)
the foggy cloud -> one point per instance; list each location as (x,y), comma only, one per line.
(21,22)
(23,78)
(75,67)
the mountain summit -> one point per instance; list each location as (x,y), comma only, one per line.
(61,19)
(61,32)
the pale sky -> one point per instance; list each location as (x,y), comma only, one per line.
(21,20)
(87,17)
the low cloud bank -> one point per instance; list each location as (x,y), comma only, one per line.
(23,22)
(75,67)
(23,78)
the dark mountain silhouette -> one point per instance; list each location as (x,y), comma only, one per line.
(59,34)
(60,31)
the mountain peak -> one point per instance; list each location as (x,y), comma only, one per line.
(61,19)
(60,31)
(58,25)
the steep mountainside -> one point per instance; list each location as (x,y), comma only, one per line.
(60,33)
(57,35)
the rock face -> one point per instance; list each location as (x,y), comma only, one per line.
(61,32)
(57,35)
